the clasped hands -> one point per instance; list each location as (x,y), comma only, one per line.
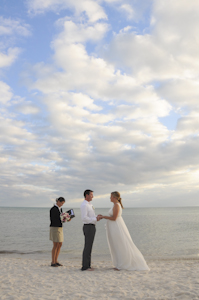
(99,217)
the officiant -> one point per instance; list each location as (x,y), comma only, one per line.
(56,230)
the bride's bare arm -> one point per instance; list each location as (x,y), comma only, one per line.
(115,213)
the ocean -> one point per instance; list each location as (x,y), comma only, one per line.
(159,233)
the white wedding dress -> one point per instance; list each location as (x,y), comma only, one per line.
(125,255)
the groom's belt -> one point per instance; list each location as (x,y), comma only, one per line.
(90,224)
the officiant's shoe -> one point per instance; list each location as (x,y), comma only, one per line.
(59,265)
(54,265)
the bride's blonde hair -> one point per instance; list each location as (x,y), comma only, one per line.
(117,196)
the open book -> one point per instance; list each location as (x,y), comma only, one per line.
(71,213)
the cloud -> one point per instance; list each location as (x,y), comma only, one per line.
(181,92)
(92,9)
(7,59)
(128,10)
(182,25)
(143,57)
(168,51)
(188,125)
(10,27)
(25,107)
(5,92)
(79,33)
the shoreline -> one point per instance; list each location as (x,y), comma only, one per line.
(69,255)
(25,278)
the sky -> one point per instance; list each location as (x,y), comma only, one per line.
(100,95)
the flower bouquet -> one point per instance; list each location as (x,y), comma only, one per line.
(65,217)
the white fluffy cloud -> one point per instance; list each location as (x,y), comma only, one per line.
(79,33)
(168,51)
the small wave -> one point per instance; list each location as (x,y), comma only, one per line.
(19,252)
(171,259)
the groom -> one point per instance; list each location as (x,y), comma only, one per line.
(89,220)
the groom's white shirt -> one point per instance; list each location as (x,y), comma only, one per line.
(88,213)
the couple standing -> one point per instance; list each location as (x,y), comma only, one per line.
(125,255)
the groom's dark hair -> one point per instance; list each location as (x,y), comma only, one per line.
(87,192)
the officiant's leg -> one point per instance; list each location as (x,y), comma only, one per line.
(58,251)
(54,252)
(89,233)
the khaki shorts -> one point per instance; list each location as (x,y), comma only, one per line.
(56,234)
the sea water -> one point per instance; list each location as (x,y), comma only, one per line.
(159,233)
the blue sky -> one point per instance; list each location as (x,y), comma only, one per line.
(102,95)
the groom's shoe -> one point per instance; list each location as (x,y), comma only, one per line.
(88,269)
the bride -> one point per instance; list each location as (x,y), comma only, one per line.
(125,255)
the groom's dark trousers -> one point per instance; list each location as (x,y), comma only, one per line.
(89,234)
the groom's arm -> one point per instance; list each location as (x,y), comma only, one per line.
(85,218)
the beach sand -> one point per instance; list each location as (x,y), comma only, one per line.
(26,278)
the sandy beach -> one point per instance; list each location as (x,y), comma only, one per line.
(24,278)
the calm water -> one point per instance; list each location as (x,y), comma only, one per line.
(159,233)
